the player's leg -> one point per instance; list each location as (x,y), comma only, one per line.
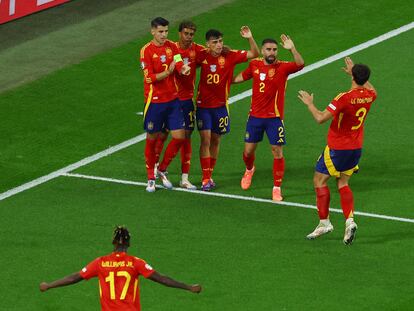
(186,149)
(275,132)
(159,146)
(254,135)
(175,123)
(323,198)
(347,204)
(220,125)
(204,125)
(153,115)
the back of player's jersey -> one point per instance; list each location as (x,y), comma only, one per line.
(350,111)
(118,282)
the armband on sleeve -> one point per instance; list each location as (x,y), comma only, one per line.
(177,58)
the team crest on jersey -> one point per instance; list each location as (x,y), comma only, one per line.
(168,51)
(221,61)
(150,126)
(200,124)
(163,58)
(185,60)
(262,76)
(213,68)
(271,73)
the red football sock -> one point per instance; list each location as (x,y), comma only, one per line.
(186,156)
(159,145)
(347,201)
(212,165)
(249,161)
(323,198)
(278,171)
(205,167)
(169,154)
(150,157)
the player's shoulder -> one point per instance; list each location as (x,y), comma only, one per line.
(343,95)
(145,48)
(257,61)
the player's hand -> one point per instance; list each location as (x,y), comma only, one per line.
(43,286)
(287,42)
(185,70)
(348,65)
(196,288)
(305,97)
(171,67)
(245,32)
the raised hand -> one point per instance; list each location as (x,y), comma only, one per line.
(348,65)
(196,288)
(287,42)
(305,97)
(245,32)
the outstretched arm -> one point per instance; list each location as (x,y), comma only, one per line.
(167,281)
(254,49)
(288,44)
(348,70)
(238,78)
(67,280)
(319,116)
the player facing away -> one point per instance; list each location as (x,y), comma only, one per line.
(159,60)
(185,85)
(217,68)
(267,108)
(118,275)
(345,138)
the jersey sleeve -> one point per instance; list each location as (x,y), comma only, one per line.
(336,104)
(146,65)
(240,56)
(291,67)
(143,268)
(247,74)
(91,270)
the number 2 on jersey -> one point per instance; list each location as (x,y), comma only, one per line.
(261,87)
(361,113)
(111,279)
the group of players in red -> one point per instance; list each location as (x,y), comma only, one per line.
(169,79)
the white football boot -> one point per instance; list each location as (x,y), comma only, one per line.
(324,227)
(350,231)
(162,175)
(186,184)
(151,186)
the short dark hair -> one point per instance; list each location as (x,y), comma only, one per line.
(121,236)
(187,24)
(360,73)
(159,21)
(213,34)
(269,40)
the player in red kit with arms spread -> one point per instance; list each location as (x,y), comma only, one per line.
(159,59)
(185,86)
(267,108)
(118,275)
(217,67)
(345,138)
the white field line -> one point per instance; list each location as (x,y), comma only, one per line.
(233,99)
(237,197)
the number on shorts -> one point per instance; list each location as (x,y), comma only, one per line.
(223,122)
(281,131)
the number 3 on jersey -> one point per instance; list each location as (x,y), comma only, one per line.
(361,113)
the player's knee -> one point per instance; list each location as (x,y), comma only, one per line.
(277,152)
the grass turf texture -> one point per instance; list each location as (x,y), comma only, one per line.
(248,256)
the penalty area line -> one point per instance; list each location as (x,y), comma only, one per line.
(234,196)
(232,100)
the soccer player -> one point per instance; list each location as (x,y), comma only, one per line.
(118,275)
(185,85)
(159,59)
(217,67)
(267,108)
(345,137)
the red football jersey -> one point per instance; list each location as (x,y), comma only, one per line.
(349,110)
(118,275)
(185,83)
(216,76)
(156,59)
(269,87)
